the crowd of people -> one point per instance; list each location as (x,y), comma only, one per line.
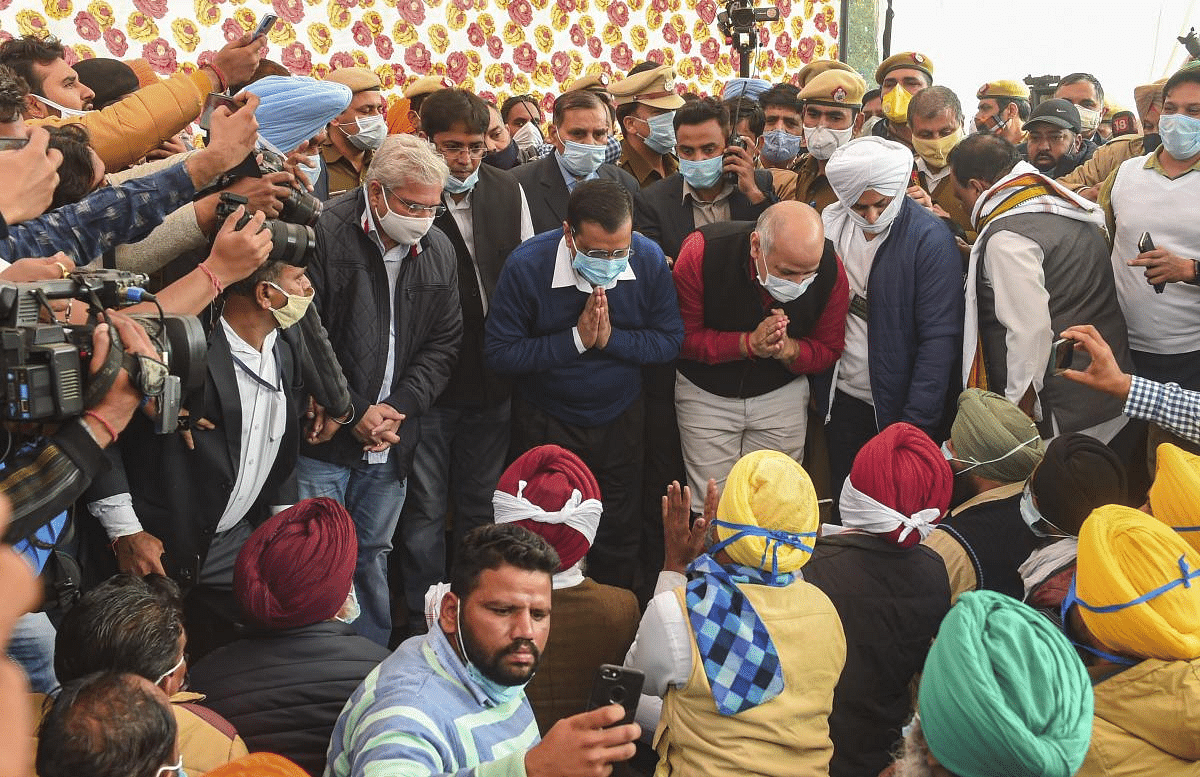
(853,434)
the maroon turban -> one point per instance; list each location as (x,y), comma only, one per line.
(906,482)
(551,492)
(296,569)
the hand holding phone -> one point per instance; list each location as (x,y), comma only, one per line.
(1062,354)
(211,103)
(265,25)
(1146,244)
(617,685)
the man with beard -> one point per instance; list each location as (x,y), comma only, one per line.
(454,699)
(1053,144)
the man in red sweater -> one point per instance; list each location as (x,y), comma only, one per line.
(764,305)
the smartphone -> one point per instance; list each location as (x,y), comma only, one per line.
(265,25)
(1146,244)
(12,144)
(1061,355)
(617,685)
(211,103)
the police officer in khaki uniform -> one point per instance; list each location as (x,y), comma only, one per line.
(935,118)
(646,101)
(900,76)
(1003,109)
(816,68)
(832,102)
(354,134)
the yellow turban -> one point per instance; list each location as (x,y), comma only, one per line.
(1173,496)
(1149,578)
(768,490)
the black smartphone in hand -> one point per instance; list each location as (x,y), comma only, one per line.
(1146,244)
(617,685)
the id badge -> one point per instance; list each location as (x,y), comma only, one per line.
(858,306)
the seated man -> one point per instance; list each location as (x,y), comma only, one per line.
(109,724)
(1135,609)
(993,449)
(764,306)
(1003,693)
(549,491)
(756,695)
(575,316)
(890,591)
(127,624)
(284,685)
(452,701)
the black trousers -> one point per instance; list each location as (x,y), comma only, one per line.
(614,454)
(851,425)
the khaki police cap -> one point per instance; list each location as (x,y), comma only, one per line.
(837,88)
(814,69)
(594,82)
(1012,89)
(655,88)
(359,79)
(426,85)
(912,59)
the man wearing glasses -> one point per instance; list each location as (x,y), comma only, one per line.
(575,316)
(464,436)
(387,288)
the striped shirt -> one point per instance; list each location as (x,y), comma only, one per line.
(419,713)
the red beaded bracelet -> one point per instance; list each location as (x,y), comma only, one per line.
(221,82)
(103,422)
(212,277)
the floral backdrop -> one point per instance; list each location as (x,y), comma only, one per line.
(493,47)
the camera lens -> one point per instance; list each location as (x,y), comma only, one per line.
(294,244)
(617,694)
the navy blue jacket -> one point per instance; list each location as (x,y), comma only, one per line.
(915,323)
(528,333)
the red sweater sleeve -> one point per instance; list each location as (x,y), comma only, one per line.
(709,346)
(825,342)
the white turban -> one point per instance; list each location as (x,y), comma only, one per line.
(869,164)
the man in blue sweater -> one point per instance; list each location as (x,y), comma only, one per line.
(574,318)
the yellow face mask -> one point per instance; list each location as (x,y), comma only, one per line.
(895,105)
(936,152)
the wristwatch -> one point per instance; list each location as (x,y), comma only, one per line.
(1195,281)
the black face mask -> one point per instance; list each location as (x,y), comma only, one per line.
(505,159)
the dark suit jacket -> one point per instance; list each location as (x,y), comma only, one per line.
(660,214)
(547,192)
(178,493)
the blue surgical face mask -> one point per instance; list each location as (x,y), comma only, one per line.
(497,692)
(780,146)
(598,272)
(1180,135)
(313,168)
(1034,519)
(661,139)
(581,159)
(703,174)
(456,186)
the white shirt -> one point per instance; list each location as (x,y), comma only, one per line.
(264,420)
(858,255)
(566,275)
(1022,308)
(461,213)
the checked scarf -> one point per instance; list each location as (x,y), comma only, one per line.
(740,660)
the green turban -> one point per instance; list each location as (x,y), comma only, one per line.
(992,432)
(1004,694)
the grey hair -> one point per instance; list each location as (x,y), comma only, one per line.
(405,159)
(931,101)
(912,758)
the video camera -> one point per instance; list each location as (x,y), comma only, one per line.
(292,238)
(45,365)
(1191,42)
(739,24)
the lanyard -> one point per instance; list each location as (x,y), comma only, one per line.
(257,378)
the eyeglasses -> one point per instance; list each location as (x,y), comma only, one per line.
(174,768)
(415,208)
(475,150)
(620,253)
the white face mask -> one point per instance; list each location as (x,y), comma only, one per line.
(371,132)
(528,136)
(823,141)
(1089,119)
(781,289)
(350,610)
(405,230)
(66,113)
(885,218)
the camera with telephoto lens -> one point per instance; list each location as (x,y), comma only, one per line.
(46,364)
(294,244)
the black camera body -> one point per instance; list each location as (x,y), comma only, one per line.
(739,24)
(45,366)
(294,244)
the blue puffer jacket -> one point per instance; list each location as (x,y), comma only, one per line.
(915,325)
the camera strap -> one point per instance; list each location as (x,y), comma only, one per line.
(147,373)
